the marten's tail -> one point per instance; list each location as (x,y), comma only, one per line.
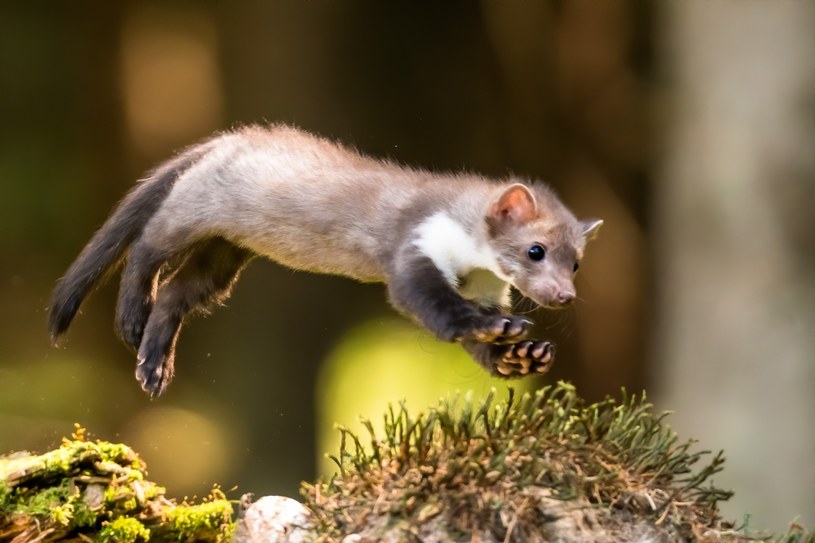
(105,250)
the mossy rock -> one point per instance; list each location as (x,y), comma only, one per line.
(540,467)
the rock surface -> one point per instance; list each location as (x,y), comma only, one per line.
(274,519)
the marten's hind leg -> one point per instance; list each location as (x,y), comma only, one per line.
(137,289)
(204,278)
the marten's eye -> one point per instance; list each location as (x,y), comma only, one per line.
(536,252)
(576,267)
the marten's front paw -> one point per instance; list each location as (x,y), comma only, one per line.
(524,358)
(496,329)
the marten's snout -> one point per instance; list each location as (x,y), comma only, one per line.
(554,293)
(565,297)
(556,298)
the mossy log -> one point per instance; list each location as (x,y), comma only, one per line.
(96,491)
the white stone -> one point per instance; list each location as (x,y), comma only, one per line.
(276,519)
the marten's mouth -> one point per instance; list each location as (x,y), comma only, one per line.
(550,302)
(554,306)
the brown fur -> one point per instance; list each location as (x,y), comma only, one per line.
(449,246)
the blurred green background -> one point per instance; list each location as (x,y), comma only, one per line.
(685,125)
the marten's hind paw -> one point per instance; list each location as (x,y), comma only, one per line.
(524,358)
(154,370)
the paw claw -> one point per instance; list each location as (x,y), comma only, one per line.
(522,349)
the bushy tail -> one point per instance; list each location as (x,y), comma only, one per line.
(108,245)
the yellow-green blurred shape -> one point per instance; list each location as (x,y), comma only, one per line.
(184,449)
(42,399)
(385,362)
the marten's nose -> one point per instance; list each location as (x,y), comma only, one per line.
(565,297)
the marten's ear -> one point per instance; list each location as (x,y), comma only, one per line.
(515,206)
(590,228)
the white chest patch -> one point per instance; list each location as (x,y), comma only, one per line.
(458,255)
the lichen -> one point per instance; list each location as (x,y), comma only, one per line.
(211,519)
(123,530)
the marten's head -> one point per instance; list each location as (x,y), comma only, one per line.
(538,243)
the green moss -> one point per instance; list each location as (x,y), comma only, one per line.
(5,495)
(211,519)
(123,530)
(131,494)
(798,534)
(84,516)
(56,503)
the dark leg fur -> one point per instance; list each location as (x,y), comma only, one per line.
(512,360)
(137,291)
(205,277)
(421,290)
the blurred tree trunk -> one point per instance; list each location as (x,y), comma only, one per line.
(734,249)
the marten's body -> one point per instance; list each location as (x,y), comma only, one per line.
(448,246)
